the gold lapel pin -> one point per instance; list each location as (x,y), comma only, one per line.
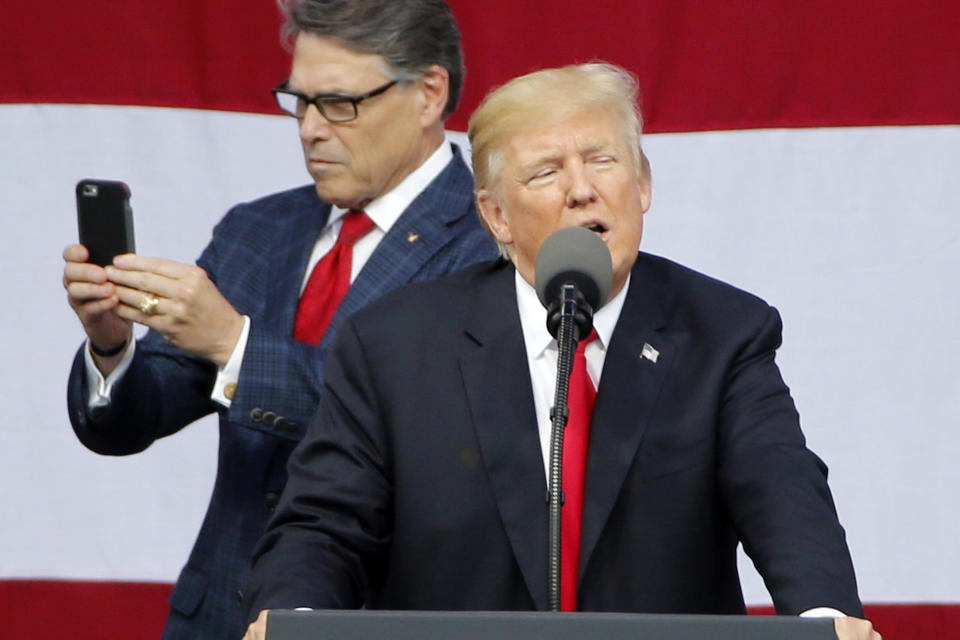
(413,237)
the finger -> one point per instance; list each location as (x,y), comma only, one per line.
(94,308)
(84,272)
(849,628)
(160,266)
(260,625)
(255,632)
(76,253)
(258,628)
(140,281)
(84,291)
(155,321)
(133,298)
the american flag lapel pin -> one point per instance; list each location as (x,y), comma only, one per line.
(649,353)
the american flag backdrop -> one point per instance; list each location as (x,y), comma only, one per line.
(807,152)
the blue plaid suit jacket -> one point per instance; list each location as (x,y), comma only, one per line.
(257,258)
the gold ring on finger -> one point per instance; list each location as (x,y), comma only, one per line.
(148,304)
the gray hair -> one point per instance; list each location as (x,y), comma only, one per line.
(410,35)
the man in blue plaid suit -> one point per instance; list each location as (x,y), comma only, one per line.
(371,84)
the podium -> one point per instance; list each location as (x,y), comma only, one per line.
(500,625)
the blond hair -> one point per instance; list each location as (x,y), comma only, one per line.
(545,96)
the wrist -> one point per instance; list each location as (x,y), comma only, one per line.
(110,351)
(232,338)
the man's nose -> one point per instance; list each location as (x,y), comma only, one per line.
(580,190)
(314,126)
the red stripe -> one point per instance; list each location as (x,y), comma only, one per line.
(733,64)
(210,54)
(54,609)
(703,64)
(51,610)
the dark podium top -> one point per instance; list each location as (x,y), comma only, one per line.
(497,625)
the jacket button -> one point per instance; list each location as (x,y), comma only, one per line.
(270,500)
(239,596)
(256,415)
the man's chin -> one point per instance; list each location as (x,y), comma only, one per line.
(339,197)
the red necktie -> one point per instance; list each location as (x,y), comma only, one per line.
(580,400)
(329,281)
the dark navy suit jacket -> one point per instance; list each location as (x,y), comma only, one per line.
(257,258)
(420,483)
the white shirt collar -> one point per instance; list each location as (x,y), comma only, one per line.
(542,353)
(385,210)
(533,318)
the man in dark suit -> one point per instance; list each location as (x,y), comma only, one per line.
(245,332)
(420,483)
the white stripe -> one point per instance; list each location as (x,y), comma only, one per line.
(852,233)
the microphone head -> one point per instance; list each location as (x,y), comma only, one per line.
(575,255)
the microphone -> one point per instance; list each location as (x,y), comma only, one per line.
(578,257)
(574,275)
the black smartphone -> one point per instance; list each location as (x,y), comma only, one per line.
(105,219)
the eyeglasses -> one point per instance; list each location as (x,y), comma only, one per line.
(335,107)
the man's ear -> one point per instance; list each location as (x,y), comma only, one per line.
(645,188)
(435,88)
(494,216)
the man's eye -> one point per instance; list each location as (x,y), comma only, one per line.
(338,108)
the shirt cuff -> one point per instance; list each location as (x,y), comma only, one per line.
(98,387)
(226,383)
(823,612)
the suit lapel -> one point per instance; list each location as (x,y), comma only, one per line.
(628,391)
(419,233)
(497,383)
(290,268)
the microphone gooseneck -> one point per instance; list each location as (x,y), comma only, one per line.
(574,275)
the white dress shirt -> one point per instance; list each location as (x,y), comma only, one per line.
(542,352)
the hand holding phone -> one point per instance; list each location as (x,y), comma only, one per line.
(105,219)
(105,222)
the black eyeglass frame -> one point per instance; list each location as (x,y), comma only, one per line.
(321,98)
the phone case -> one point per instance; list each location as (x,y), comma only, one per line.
(105,219)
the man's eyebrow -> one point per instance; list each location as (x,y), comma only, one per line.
(336,91)
(332,93)
(596,145)
(546,159)
(552,156)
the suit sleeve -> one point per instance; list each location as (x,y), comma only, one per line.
(162,391)
(165,389)
(776,489)
(279,384)
(332,526)
(278,387)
